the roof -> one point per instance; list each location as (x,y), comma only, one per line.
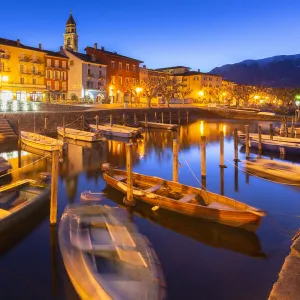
(85,57)
(176,67)
(190,73)
(115,54)
(12,43)
(71,20)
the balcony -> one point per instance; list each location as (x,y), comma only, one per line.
(5,70)
(37,74)
(38,61)
(90,76)
(25,58)
(26,72)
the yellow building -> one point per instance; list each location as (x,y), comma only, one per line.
(200,83)
(22,72)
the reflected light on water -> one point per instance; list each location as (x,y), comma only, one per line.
(201,128)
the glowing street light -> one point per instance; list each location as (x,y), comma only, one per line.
(138,89)
(4,78)
(201,93)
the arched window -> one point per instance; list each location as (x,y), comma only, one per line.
(68,41)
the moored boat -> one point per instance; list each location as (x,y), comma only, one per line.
(19,200)
(137,130)
(113,131)
(41,142)
(187,200)
(274,168)
(4,166)
(77,134)
(159,125)
(105,256)
(254,136)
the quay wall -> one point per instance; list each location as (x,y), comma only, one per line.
(287,286)
(55,116)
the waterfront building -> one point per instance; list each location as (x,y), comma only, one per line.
(174,70)
(122,73)
(149,73)
(87,77)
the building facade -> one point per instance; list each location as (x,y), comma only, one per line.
(174,70)
(87,77)
(122,72)
(56,75)
(150,73)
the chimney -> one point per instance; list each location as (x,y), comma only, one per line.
(95,46)
(40,46)
(18,42)
(102,48)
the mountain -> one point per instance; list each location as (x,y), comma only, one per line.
(276,71)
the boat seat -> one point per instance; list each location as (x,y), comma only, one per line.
(153,188)
(4,213)
(120,235)
(187,198)
(217,205)
(132,257)
(120,177)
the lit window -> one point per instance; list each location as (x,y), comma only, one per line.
(127,67)
(112,64)
(134,68)
(120,80)
(113,80)
(64,64)
(120,66)
(56,85)
(49,85)
(22,80)
(56,63)
(64,86)
(49,62)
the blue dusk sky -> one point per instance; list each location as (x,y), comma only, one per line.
(196,33)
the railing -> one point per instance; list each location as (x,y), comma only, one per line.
(38,61)
(25,58)
(37,73)
(90,76)
(5,70)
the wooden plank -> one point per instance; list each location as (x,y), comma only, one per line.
(187,198)
(153,188)
(120,177)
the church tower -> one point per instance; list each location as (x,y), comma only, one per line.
(71,37)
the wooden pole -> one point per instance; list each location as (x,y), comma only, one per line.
(175,160)
(97,122)
(134,118)
(110,120)
(129,195)
(259,141)
(236,177)
(222,181)
(34,122)
(146,120)
(64,127)
(162,117)
(236,145)
(203,156)
(83,122)
(19,133)
(293,127)
(271,132)
(222,164)
(124,118)
(179,117)
(45,124)
(247,140)
(155,117)
(54,187)
(203,183)
(187,117)
(170,117)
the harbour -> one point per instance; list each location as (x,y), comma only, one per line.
(197,257)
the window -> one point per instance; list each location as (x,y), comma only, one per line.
(48,74)
(120,80)
(205,84)
(64,64)
(217,86)
(210,85)
(127,67)
(64,86)
(120,66)
(134,68)
(22,80)
(34,70)
(113,65)
(113,80)
(56,85)
(57,75)
(127,80)
(22,69)
(56,63)
(100,74)
(205,78)
(217,79)
(48,62)
(68,41)
(210,79)
(64,75)
(196,78)
(48,85)
(34,81)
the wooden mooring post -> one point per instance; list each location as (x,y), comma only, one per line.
(222,181)
(236,145)
(82,122)
(54,187)
(162,117)
(247,141)
(271,132)
(146,120)
(110,120)
(259,142)
(222,163)
(175,160)
(45,124)
(129,200)
(124,118)
(187,117)
(97,122)
(170,117)
(236,177)
(179,117)
(203,156)
(134,118)
(64,127)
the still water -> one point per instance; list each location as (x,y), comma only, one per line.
(200,260)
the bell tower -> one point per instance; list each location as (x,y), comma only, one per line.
(70,36)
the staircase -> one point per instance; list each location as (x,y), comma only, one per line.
(6,131)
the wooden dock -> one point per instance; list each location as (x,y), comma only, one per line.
(287,286)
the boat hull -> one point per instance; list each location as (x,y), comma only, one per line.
(237,218)
(111,131)
(159,125)
(79,136)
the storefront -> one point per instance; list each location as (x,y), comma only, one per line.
(6,95)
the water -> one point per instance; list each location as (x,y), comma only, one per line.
(200,260)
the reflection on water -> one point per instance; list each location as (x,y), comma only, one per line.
(199,259)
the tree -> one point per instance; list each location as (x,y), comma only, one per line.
(184,91)
(169,87)
(150,88)
(241,93)
(286,95)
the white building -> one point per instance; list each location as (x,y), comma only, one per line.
(87,77)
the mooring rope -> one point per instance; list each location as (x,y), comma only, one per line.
(73,121)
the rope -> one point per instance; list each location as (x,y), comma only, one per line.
(16,170)
(74,121)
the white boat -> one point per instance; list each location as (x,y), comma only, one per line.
(78,134)
(137,130)
(113,131)
(106,257)
(159,125)
(41,142)
(273,168)
(19,200)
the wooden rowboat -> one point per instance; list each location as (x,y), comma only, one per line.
(105,256)
(41,142)
(78,134)
(19,200)
(137,130)
(187,200)
(159,125)
(113,131)
(274,168)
